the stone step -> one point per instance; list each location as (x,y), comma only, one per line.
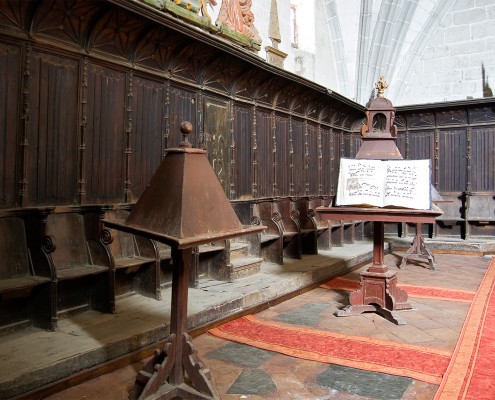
(243,267)
(238,250)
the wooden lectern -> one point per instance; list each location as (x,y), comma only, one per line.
(183,206)
(378,291)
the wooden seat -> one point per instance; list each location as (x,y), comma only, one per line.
(308,223)
(271,239)
(288,220)
(452,222)
(136,260)
(26,276)
(82,261)
(480,213)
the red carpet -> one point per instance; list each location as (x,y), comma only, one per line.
(422,363)
(470,374)
(461,375)
(412,290)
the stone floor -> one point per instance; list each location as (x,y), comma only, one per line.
(244,372)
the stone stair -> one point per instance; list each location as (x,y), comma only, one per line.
(242,264)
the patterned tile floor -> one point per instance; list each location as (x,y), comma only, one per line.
(244,372)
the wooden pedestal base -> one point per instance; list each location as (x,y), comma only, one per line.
(177,372)
(418,249)
(378,293)
(162,381)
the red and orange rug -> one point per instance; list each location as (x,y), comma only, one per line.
(463,374)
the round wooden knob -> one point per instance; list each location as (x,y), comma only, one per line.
(186,128)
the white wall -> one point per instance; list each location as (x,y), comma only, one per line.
(428,50)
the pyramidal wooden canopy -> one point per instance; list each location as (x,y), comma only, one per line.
(184,204)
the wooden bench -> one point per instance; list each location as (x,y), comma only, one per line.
(326,229)
(136,260)
(310,231)
(270,239)
(288,220)
(480,213)
(82,260)
(453,221)
(26,275)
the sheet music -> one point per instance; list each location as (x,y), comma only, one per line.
(382,183)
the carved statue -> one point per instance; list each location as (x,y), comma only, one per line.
(237,15)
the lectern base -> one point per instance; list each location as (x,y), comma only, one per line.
(418,249)
(170,375)
(378,293)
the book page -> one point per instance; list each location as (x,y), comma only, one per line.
(361,182)
(407,184)
(384,183)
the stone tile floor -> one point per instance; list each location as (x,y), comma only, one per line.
(244,372)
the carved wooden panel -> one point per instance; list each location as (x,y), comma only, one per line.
(401,143)
(218,139)
(147,131)
(311,164)
(422,119)
(116,33)
(53,130)
(420,145)
(190,61)
(67,21)
(10,137)
(298,158)
(451,117)
(265,159)
(182,107)
(483,159)
(104,157)
(156,48)
(221,73)
(329,162)
(482,114)
(452,160)
(243,151)
(15,15)
(282,155)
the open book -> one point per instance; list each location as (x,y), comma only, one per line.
(384,183)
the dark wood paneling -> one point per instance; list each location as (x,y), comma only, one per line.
(243,151)
(218,139)
(282,155)
(452,160)
(182,105)
(483,159)
(104,158)
(298,154)
(265,158)
(311,166)
(147,132)
(420,145)
(10,81)
(53,129)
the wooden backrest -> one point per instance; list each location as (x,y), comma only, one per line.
(13,248)
(481,206)
(123,244)
(452,206)
(71,246)
(284,208)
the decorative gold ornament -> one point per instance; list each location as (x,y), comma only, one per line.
(381,85)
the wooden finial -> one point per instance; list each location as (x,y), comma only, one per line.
(186,128)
